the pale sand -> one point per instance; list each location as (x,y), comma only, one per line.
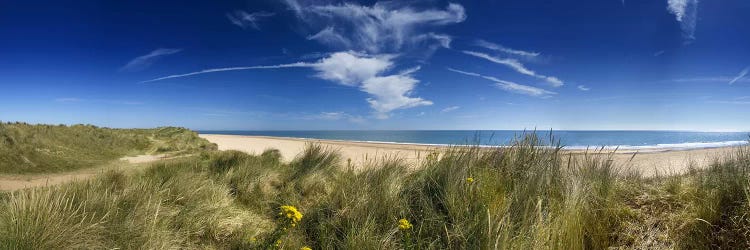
(648,163)
(11,182)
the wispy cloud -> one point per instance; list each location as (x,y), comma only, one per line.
(583,88)
(686,13)
(510,86)
(381,34)
(331,37)
(335,116)
(389,92)
(206,71)
(742,74)
(449,109)
(381,28)
(500,48)
(248,20)
(145,61)
(718,79)
(517,66)
(107,101)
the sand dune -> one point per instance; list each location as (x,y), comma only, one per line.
(649,163)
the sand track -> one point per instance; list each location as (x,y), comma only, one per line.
(12,182)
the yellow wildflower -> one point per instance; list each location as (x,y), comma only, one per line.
(305,248)
(469,180)
(291,213)
(404,224)
(278,243)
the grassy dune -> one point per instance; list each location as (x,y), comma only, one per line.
(26,148)
(522,197)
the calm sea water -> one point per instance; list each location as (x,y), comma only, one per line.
(569,139)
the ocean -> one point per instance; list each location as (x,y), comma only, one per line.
(674,140)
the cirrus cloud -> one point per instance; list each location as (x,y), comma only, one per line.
(686,13)
(145,61)
(383,27)
(510,86)
(517,66)
(368,73)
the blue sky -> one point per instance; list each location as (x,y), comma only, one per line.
(297,64)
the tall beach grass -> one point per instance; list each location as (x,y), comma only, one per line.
(527,196)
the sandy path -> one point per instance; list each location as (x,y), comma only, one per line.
(22,181)
(648,163)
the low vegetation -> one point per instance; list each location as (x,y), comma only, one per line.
(26,148)
(520,197)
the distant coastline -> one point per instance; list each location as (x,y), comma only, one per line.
(649,163)
(642,141)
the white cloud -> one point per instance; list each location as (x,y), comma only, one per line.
(686,12)
(741,75)
(145,61)
(247,20)
(449,109)
(500,48)
(583,88)
(389,92)
(351,69)
(382,27)
(510,86)
(518,67)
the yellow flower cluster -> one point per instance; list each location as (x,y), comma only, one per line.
(291,213)
(305,248)
(469,180)
(404,224)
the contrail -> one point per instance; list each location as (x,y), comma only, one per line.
(206,71)
(742,74)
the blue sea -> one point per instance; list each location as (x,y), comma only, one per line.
(673,140)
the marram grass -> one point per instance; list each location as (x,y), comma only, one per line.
(520,197)
(26,148)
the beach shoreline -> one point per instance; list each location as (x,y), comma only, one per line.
(648,162)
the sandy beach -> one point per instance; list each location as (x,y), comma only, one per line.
(649,163)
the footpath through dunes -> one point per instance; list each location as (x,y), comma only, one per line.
(43,155)
(13,182)
(648,163)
